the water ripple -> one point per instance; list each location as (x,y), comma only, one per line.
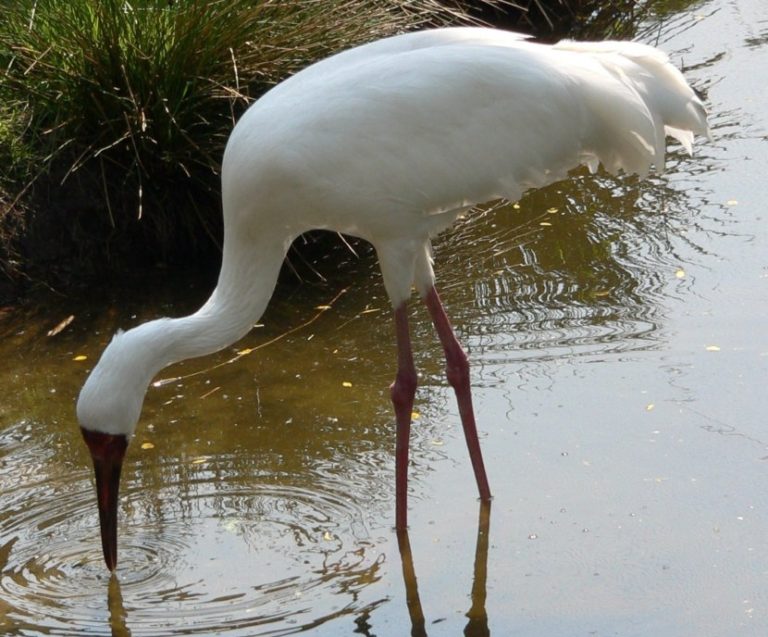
(225,554)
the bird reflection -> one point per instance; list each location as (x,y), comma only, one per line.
(411,586)
(117,614)
(477,624)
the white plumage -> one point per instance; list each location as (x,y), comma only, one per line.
(390,142)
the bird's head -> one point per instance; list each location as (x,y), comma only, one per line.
(108,410)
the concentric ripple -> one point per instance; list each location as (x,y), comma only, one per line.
(203,551)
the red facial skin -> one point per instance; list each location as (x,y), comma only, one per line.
(107,451)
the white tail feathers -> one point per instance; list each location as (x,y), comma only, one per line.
(634,131)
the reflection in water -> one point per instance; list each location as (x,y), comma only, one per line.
(575,269)
(117,615)
(303,537)
(412,598)
(477,626)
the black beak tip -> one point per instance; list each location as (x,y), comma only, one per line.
(107,451)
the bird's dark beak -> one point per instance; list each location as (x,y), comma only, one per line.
(107,451)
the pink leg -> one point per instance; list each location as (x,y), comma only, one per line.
(457,372)
(402,392)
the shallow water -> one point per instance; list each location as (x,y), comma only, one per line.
(619,357)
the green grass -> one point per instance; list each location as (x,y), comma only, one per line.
(114,113)
(128,103)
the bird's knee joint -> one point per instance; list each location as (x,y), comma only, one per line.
(457,372)
(404,387)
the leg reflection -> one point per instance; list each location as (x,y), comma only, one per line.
(477,626)
(117,615)
(411,587)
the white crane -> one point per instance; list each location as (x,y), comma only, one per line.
(390,142)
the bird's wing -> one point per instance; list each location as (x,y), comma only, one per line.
(390,145)
(438,128)
(403,43)
(671,102)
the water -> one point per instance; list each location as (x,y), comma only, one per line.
(619,357)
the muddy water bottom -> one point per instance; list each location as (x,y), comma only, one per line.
(617,335)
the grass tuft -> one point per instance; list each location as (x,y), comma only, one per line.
(128,103)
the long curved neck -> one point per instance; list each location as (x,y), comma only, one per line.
(246,282)
(112,396)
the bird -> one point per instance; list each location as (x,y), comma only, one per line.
(390,142)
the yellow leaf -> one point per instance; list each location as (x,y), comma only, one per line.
(544,223)
(322,307)
(415,415)
(80,357)
(552,210)
(649,407)
(200,460)
(516,206)
(732,202)
(147,445)
(346,383)
(713,348)
(327,536)
(680,273)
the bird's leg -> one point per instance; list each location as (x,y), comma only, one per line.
(402,392)
(457,372)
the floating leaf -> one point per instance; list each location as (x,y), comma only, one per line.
(544,223)
(346,383)
(680,273)
(552,210)
(200,459)
(147,445)
(80,357)
(327,536)
(415,415)
(61,326)
(322,307)
(649,407)
(732,202)
(713,348)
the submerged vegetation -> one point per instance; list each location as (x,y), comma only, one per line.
(114,113)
